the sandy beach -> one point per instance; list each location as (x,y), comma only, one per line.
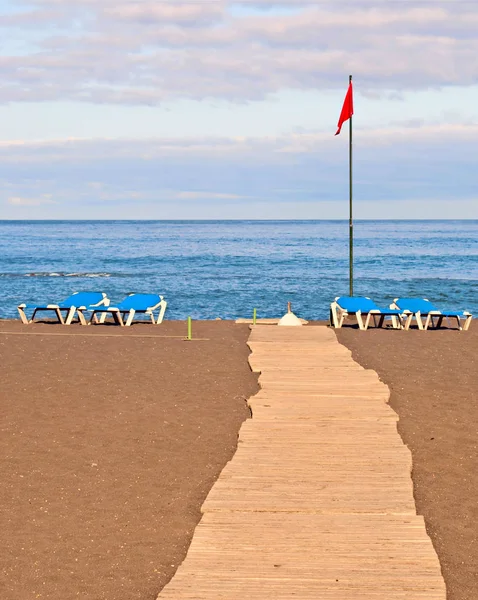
(112,439)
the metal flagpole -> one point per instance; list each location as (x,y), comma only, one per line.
(351,222)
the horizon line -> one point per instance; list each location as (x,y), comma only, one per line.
(237,220)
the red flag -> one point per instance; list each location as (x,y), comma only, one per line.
(347,108)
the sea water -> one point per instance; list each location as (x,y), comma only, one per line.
(210,269)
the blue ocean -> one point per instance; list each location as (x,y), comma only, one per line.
(209,269)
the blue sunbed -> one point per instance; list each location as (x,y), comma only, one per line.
(132,305)
(68,306)
(419,308)
(362,308)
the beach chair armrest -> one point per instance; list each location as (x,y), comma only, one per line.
(102,303)
(156,306)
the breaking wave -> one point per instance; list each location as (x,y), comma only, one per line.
(54,274)
(68,275)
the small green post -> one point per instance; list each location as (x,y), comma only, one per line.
(254,316)
(190,327)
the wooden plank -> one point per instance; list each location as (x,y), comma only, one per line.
(318,500)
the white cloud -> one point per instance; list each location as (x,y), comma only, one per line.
(206,196)
(40,201)
(166,12)
(399,163)
(411,136)
(148,52)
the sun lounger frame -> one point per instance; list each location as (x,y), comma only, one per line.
(430,315)
(57,309)
(339,314)
(119,314)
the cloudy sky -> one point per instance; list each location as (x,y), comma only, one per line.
(228,108)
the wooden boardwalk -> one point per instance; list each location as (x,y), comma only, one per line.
(317,502)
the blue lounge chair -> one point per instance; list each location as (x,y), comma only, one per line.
(362,308)
(132,305)
(69,306)
(419,308)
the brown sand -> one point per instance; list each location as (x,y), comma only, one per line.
(111,445)
(433,377)
(110,442)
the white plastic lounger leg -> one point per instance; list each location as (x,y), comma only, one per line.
(467,322)
(397,322)
(338,316)
(430,320)
(93,318)
(130,318)
(358,316)
(419,321)
(97,320)
(367,320)
(162,310)
(334,315)
(408,321)
(372,315)
(23,316)
(118,318)
(70,315)
(81,316)
(59,315)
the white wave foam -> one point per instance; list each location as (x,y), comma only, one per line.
(68,275)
